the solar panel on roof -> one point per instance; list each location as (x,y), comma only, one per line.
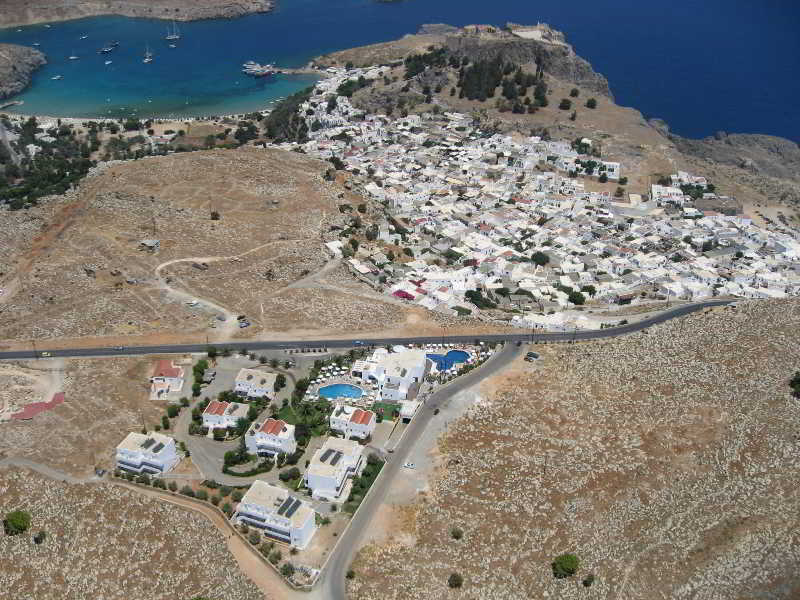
(293,508)
(157,448)
(326,454)
(338,455)
(147,443)
(285,505)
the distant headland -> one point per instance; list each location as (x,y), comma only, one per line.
(17,13)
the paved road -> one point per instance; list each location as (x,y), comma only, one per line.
(331,585)
(349,343)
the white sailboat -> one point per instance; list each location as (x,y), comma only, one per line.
(74,56)
(108,62)
(148,56)
(173,34)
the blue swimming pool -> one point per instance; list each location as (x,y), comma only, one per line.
(340,390)
(446,361)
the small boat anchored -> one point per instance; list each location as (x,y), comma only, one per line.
(57,77)
(110,47)
(83,37)
(74,56)
(173,34)
(148,56)
(254,69)
(108,62)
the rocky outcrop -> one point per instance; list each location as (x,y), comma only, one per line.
(764,154)
(16,65)
(26,12)
(538,45)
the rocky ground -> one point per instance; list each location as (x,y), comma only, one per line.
(16,65)
(27,12)
(104,541)
(104,401)
(666,461)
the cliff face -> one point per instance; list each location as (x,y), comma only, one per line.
(26,12)
(765,154)
(541,45)
(16,65)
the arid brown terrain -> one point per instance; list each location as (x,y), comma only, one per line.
(105,541)
(666,461)
(27,12)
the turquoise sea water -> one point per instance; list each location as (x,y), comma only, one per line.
(702,65)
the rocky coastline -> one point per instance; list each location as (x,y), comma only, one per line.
(17,13)
(17,63)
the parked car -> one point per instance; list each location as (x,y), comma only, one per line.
(45,354)
(409,465)
(358,343)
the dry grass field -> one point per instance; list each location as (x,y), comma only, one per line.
(73,268)
(104,541)
(104,401)
(666,461)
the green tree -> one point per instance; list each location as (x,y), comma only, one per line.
(577,298)
(540,258)
(172,411)
(794,383)
(565,565)
(455,580)
(565,104)
(591,103)
(456,533)
(574,92)
(16,522)
(287,570)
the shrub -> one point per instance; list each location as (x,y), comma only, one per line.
(227,509)
(201,495)
(455,580)
(588,580)
(287,570)
(275,557)
(456,533)
(574,92)
(350,574)
(565,104)
(236,496)
(172,411)
(254,538)
(215,500)
(187,491)
(565,565)
(173,486)
(40,537)
(17,522)
(225,491)
(591,103)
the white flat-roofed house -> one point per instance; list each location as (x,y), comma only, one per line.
(167,379)
(278,514)
(271,438)
(353,422)
(332,467)
(395,373)
(223,414)
(151,453)
(254,383)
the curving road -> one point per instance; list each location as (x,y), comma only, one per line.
(331,583)
(349,343)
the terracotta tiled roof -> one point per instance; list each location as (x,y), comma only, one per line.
(272,427)
(361,417)
(216,407)
(164,368)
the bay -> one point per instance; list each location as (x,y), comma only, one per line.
(701,65)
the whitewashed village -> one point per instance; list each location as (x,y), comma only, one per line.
(489,221)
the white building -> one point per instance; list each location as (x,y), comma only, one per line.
(223,414)
(153,453)
(254,383)
(277,514)
(396,373)
(353,422)
(331,468)
(167,379)
(271,438)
